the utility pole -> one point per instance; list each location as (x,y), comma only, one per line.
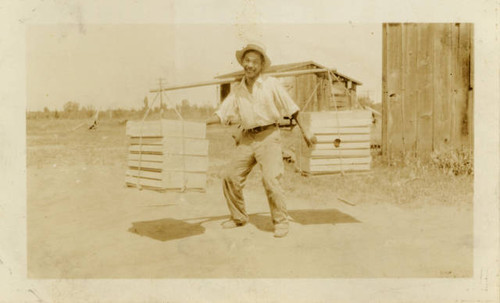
(161,97)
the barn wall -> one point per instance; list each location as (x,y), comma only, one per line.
(427,88)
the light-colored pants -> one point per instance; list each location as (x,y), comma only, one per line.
(263,148)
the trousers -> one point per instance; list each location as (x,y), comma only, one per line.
(262,148)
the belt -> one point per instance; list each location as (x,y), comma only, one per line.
(259,129)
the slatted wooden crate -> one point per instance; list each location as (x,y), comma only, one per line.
(352,154)
(167,154)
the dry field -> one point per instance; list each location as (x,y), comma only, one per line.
(83,222)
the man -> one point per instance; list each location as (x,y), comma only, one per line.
(257,104)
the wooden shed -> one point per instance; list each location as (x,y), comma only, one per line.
(428,83)
(302,87)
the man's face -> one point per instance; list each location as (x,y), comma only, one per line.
(252,63)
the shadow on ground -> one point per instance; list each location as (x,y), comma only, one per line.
(167,229)
(304,217)
(171,229)
(321,216)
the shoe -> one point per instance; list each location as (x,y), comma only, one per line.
(231,224)
(280,232)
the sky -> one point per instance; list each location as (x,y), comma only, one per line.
(115,65)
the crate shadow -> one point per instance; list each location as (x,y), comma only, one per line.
(304,217)
(166,229)
(171,229)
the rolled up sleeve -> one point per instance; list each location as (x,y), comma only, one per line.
(283,101)
(228,112)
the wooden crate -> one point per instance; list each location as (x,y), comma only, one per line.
(167,154)
(351,155)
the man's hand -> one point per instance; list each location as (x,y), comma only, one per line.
(309,137)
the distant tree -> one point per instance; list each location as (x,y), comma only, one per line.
(71,106)
(185,104)
(119,113)
(184,108)
(88,111)
(71,109)
(46,112)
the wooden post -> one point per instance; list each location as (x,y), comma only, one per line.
(161,98)
(402,86)
(433,64)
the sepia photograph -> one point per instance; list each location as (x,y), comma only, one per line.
(255,155)
(192,158)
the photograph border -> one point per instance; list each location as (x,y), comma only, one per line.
(483,287)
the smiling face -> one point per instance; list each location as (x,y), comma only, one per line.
(252,64)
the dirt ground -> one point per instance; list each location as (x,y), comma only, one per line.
(83,222)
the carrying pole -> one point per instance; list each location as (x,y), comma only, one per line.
(235,79)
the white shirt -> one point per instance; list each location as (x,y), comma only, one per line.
(267,104)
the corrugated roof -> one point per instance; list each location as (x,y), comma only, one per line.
(290,67)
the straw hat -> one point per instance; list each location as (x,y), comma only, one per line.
(254,47)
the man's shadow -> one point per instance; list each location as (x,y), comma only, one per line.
(171,229)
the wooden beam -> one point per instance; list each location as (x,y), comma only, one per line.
(230,80)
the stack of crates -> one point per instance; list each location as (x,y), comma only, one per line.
(167,154)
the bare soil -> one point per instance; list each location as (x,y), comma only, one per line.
(83,222)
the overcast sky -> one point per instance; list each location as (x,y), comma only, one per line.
(111,66)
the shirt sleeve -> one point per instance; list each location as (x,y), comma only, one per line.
(283,101)
(228,112)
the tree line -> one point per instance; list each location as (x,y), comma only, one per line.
(73,110)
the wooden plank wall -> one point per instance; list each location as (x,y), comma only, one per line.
(385,104)
(290,84)
(305,86)
(341,96)
(323,94)
(427,88)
